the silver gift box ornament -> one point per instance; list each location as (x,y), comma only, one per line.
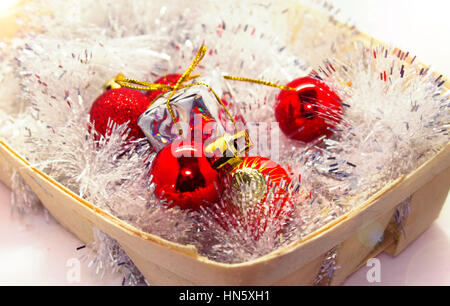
(196,110)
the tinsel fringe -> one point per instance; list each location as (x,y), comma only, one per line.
(396,112)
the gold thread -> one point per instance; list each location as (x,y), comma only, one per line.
(144,85)
(218,100)
(198,58)
(260,82)
(148,86)
(121,80)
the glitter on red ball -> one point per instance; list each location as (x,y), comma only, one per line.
(184,177)
(119,106)
(170,79)
(310,112)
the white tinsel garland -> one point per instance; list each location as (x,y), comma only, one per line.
(395,115)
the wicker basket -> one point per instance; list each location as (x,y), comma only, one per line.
(302,263)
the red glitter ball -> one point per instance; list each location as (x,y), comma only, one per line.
(184,177)
(310,112)
(170,79)
(119,105)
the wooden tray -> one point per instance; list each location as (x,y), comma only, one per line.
(165,263)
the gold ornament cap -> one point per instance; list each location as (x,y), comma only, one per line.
(112,84)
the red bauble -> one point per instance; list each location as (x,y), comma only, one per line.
(184,177)
(273,173)
(310,112)
(119,105)
(170,79)
(273,207)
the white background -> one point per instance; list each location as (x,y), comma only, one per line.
(35,251)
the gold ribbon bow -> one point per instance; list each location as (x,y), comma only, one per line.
(121,81)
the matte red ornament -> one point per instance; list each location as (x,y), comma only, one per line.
(273,201)
(119,105)
(170,79)
(310,112)
(184,177)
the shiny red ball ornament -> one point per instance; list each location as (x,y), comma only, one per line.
(310,112)
(184,177)
(272,207)
(170,79)
(119,105)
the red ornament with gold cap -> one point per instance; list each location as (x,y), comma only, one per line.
(263,189)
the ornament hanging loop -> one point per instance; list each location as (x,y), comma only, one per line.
(198,58)
(121,81)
